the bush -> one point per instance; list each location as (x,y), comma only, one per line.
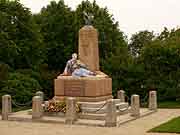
(20,87)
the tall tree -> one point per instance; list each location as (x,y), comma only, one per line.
(56,22)
(139,40)
(20,41)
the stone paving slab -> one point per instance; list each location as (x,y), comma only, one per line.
(122,119)
(136,127)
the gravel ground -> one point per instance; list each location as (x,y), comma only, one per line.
(137,127)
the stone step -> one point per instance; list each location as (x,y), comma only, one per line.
(101,116)
(91,116)
(91,104)
(97,104)
(102,109)
(93,110)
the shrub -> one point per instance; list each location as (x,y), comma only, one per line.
(20,87)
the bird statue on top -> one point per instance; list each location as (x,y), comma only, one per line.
(88,18)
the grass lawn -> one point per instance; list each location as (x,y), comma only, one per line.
(18,109)
(166,105)
(172,126)
(169,104)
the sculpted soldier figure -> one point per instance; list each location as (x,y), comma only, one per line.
(76,68)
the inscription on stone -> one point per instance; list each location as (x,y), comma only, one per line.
(74,88)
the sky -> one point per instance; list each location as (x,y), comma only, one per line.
(132,15)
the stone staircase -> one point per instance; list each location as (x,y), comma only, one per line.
(97,110)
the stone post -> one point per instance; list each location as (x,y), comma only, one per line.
(6,106)
(46,104)
(37,109)
(111,117)
(152,100)
(71,115)
(135,106)
(41,94)
(121,95)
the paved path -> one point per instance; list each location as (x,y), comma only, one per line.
(137,127)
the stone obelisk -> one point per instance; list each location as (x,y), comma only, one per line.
(88,47)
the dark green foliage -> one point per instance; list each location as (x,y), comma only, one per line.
(161,60)
(139,40)
(20,87)
(4,69)
(56,23)
(19,36)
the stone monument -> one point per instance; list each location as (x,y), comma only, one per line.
(93,89)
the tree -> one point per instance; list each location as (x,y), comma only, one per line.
(161,61)
(20,40)
(139,40)
(56,24)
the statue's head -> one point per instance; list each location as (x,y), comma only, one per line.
(74,56)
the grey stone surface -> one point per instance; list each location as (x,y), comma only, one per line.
(135,105)
(6,106)
(152,100)
(121,95)
(71,115)
(40,93)
(37,109)
(111,116)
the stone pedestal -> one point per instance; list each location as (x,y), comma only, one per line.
(88,47)
(71,116)
(121,95)
(89,89)
(111,117)
(6,106)
(152,100)
(135,106)
(37,109)
(41,94)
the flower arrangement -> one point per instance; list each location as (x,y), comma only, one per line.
(58,106)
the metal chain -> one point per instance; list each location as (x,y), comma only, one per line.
(143,101)
(21,105)
(99,108)
(125,109)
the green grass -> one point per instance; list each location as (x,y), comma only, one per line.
(166,104)
(169,104)
(18,109)
(172,126)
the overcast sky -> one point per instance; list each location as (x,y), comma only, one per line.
(132,15)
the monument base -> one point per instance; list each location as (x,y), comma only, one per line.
(90,89)
(86,99)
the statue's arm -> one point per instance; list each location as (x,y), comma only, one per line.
(82,64)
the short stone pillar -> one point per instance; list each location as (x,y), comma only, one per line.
(121,95)
(6,106)
(37,109)
(41,94)
(152,100)
(111,117)
(46,104)
(135,105)
(71,115)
